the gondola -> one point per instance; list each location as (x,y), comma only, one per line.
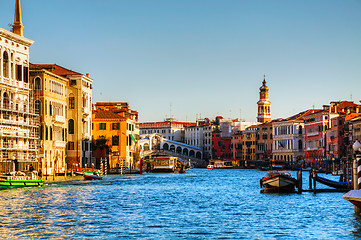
(331,183)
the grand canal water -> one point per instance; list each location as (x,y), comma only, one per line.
(201,204)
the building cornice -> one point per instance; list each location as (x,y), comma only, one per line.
(15,37)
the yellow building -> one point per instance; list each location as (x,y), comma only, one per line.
(50,96)
(78,114)
(249,145)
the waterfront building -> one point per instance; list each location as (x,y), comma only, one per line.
(169,129)
(264,105)
(317,125)
(221,146)
(19,123)
(236,145)
(50,102)
(118,124)
(353,131)
(249,145)
(265,141)
(288,138)
(200,135)
(78,112)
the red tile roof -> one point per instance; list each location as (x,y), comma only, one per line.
(352,116)
(56,69)
(100,114)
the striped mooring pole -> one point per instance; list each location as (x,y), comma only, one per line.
(357,149)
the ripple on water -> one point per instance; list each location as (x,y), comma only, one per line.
(201,204)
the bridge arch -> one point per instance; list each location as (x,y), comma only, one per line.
(179,150)
(165,146)
(185,151)
(172,148)
(198,155)
(192,153)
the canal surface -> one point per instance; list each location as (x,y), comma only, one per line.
(201,204)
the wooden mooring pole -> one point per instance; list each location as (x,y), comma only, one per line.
(310,179)
(299,181)
(314,181)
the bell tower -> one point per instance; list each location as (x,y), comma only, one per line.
(264,105)
(18,23)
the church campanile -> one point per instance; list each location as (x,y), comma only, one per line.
(264,105)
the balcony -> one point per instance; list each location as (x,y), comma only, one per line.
(309,134)
(59,144)
(59,119)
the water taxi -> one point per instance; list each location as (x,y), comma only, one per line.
(164,164)
(20,179)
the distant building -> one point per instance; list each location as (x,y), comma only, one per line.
(249,145)
(221,146)
(236,144)
(288,138)
(170,129)
(265,141)
(264,105)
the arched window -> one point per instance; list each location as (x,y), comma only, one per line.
(46,133)
(71,101)
(38,107)
(165,146)
(71,126)
(300,145)
(37,83)
(146,146)
(115,140)
(6,101)
(51,133)
(6,64)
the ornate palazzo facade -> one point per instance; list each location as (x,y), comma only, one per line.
(19,124)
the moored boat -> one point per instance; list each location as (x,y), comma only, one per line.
(210,167)
(276,181)
(354,197)
(20,179)
(88,176)
(164,164)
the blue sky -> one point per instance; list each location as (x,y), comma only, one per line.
(202,58)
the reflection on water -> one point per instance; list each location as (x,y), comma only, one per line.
(201,204)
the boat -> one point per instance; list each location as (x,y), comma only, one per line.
(210,167)
(331,183)
(354,197)
(81,173)
(164,164)
(276,181)
(20,179)
(337,172)
(88,176)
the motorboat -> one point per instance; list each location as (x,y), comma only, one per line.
(210,167)
(88,176)
(20,179)
(276,181)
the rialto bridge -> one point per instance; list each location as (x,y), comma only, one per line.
(156,142)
